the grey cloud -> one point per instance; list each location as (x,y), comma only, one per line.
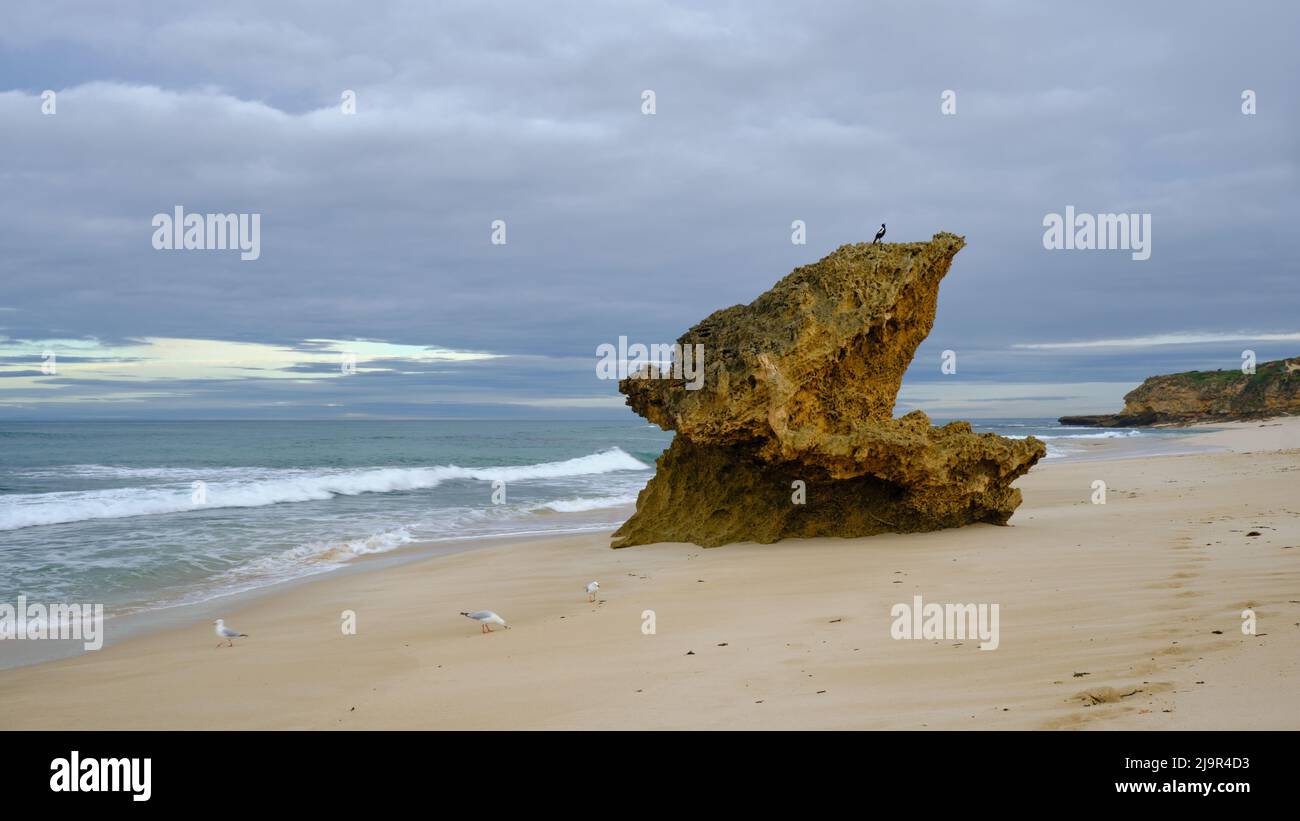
(377,225)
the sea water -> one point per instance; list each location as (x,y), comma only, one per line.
(140,516)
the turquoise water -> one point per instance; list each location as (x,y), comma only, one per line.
(1073,442)
(110,512)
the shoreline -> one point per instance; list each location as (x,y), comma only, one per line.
(141,619)
(1153,586)
(146,621)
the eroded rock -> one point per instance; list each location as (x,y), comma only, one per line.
(799,386)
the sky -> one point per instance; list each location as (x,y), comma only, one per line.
(379,292)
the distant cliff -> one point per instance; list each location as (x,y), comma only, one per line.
(1207,396)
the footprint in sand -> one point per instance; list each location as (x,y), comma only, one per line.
(1104,695)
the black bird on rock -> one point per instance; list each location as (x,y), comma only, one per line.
(879,234)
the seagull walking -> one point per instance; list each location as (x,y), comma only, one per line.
(592,587)
(226,634)
(485,619)
(879,234)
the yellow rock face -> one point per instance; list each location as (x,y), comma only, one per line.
(1207,396)
(799,386)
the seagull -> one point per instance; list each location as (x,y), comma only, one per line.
(225,633)
(879,234)
(485,618)
(592,587)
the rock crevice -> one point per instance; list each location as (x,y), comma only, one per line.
(799,387)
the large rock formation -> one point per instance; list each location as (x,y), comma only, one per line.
(799,386)
(1206,396)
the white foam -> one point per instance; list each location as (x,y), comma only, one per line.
(324,554)
(1110,434)
(587,503)
(1057,452)
(166,474)
(31,510)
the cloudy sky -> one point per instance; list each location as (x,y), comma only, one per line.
(376,227)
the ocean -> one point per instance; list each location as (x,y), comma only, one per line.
(141,516)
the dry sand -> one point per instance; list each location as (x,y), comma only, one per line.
(1122,615)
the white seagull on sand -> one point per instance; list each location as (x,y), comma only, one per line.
(226,634)
(485,619)
(592,587)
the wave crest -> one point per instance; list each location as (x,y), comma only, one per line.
(277,487)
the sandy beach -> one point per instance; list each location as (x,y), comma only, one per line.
(1126,614)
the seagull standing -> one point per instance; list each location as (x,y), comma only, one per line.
(879,234)
(485,619)
(592,587)
(226,634)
